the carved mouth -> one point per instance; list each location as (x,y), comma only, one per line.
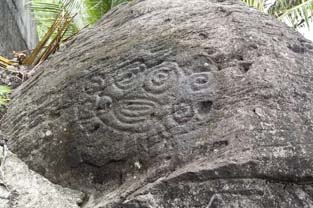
(134,110)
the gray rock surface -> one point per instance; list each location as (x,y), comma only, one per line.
(174,104)
(18,30)
(23,188)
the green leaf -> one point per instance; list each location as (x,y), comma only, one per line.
(46,11)
(296,12)
(117,2)
(259,4)
(4,95)
(4,90)
(97,8)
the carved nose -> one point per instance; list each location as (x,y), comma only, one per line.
(103,103)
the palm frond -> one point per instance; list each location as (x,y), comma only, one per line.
(117,2)
(294,12)
(259,4)
(56,33)
(4,62)
(97,8)
(46,11)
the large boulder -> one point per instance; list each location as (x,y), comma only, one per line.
(21,187)
(174,103)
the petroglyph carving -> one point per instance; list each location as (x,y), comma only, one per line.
(200,81)
(200,85)
(133,111)
(183,112)
(127,79)
(103,103)
(137,95)
(162,78)
(131,114)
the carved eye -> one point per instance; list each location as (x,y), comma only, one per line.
(160,80)
(127,79)
(128,75)
(200,81)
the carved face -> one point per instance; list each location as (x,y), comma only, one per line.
(122,114)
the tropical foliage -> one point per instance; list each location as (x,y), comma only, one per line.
(47,11)
(62,28)
(259,4)
(97,8)
(296,13)
(85,11)
(4,95)
(59,20)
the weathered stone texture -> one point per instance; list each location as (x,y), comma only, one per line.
(23,188)
(174,104)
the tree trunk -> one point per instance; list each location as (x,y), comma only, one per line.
(17,28)
(173,103)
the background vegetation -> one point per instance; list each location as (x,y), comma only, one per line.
(295,13)
(86,12)
(4,96)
